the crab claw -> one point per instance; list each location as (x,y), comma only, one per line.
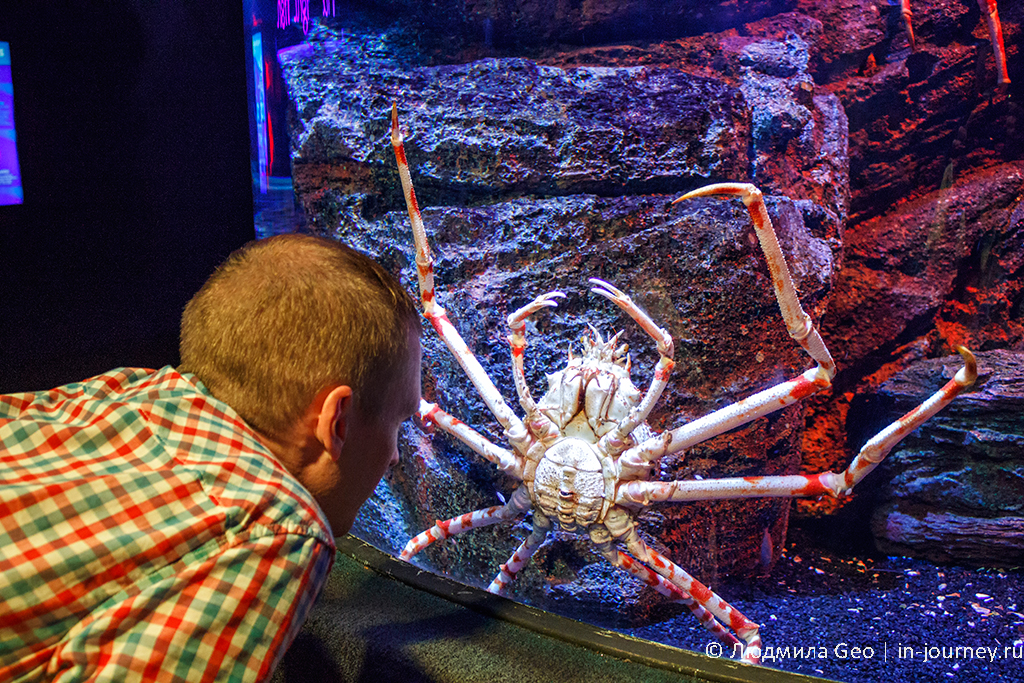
(966,375)
(542,301)
(745,191)
(623,301)
(610,291)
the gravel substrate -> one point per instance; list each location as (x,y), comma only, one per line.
(882,619)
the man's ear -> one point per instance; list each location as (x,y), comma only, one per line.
(335,416)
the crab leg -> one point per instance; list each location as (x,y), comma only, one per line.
(505,460)
(614,441)
(540,424)
(516,507)
(635,493)
(435,313)
(618,524)
(522,555)
(799,324)
(636,461)
(659,583)
(745,629)
(797,485)
(908,16)
(995,32)
(875,450)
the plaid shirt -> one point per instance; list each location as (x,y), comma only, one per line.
(146,534)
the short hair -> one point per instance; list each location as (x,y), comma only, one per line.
(284,317)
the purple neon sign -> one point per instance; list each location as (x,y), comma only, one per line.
(300,16)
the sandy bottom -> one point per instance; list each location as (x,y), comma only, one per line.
(887,619)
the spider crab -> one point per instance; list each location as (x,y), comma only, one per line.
(584,453)
(995,34)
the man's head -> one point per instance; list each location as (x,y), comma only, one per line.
(305,337)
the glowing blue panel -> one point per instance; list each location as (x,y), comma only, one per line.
(10,175)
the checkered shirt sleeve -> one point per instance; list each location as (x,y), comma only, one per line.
(146,534)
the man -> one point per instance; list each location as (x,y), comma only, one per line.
(177,525)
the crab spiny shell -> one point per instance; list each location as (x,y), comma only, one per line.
(593,393)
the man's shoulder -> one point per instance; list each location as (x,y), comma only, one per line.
(207,436)
(112,386)
(146,420)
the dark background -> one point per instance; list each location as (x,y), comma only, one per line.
(134,150)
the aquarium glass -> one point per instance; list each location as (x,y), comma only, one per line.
(875,151)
